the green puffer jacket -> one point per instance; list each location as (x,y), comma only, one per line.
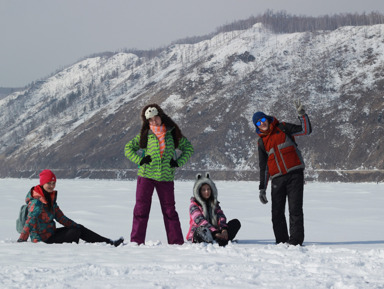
(158,169)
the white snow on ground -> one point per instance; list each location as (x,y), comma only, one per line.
(344,245)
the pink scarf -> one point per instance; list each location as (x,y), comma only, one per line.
(160,132)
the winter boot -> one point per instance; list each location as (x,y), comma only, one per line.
(202,234)
(117,242)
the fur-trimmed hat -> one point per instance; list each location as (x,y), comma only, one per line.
(151,112)
(200,181)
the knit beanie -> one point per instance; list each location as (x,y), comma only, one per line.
(47,176)
(257,116)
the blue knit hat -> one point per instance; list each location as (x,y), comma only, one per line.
(259,115)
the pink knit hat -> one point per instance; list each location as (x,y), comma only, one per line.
(47,176)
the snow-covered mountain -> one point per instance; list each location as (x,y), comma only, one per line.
(78,121)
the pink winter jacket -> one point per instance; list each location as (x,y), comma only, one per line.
(197,219)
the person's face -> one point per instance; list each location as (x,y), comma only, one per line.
(49,187)
(156,120)
(205,191)
(263,123)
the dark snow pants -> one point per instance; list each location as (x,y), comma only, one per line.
(233,227)
(289,186)
(69,235)
(144,192)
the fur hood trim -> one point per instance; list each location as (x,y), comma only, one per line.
(200,181)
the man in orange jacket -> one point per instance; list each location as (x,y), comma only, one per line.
(281,161)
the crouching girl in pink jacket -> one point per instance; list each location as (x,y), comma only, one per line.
(207,220)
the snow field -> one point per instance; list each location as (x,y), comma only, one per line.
(343,246)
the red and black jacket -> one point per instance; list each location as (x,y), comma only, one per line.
(278,151)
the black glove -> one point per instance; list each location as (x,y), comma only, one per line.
(173,163)
(263,196)
(145,160)
(299,107)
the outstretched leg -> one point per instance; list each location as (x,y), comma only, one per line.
(64,235)
(92,237)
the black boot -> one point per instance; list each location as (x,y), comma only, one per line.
(202,234)
(117,242)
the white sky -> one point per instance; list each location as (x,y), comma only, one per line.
(39,37)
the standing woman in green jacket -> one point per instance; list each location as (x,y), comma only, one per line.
(159,137)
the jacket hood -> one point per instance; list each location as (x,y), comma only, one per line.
(200,181)
(37,193)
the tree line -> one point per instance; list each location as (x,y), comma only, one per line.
(278,22)
(283,22)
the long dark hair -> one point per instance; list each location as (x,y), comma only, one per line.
(165,119)
(48,198)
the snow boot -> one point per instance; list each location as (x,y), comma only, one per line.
(202,234)
(117,242)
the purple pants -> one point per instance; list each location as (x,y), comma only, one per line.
(144,192)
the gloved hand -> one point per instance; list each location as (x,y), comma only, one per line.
(174,163)
(299,107)
(145,160)
(263,196)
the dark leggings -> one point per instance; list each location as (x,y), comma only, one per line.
(69,235)
(233,227)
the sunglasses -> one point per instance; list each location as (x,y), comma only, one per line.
(260,121)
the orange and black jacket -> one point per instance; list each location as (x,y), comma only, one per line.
(278,151)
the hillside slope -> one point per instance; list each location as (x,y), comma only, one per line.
(78,121)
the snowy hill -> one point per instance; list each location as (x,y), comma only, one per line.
(78,121)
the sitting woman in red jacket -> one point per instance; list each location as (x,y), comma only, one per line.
(43,210)
(207,220)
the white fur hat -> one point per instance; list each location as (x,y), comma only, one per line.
(151,112)
(200,181)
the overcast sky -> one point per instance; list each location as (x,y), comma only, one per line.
(39,37)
